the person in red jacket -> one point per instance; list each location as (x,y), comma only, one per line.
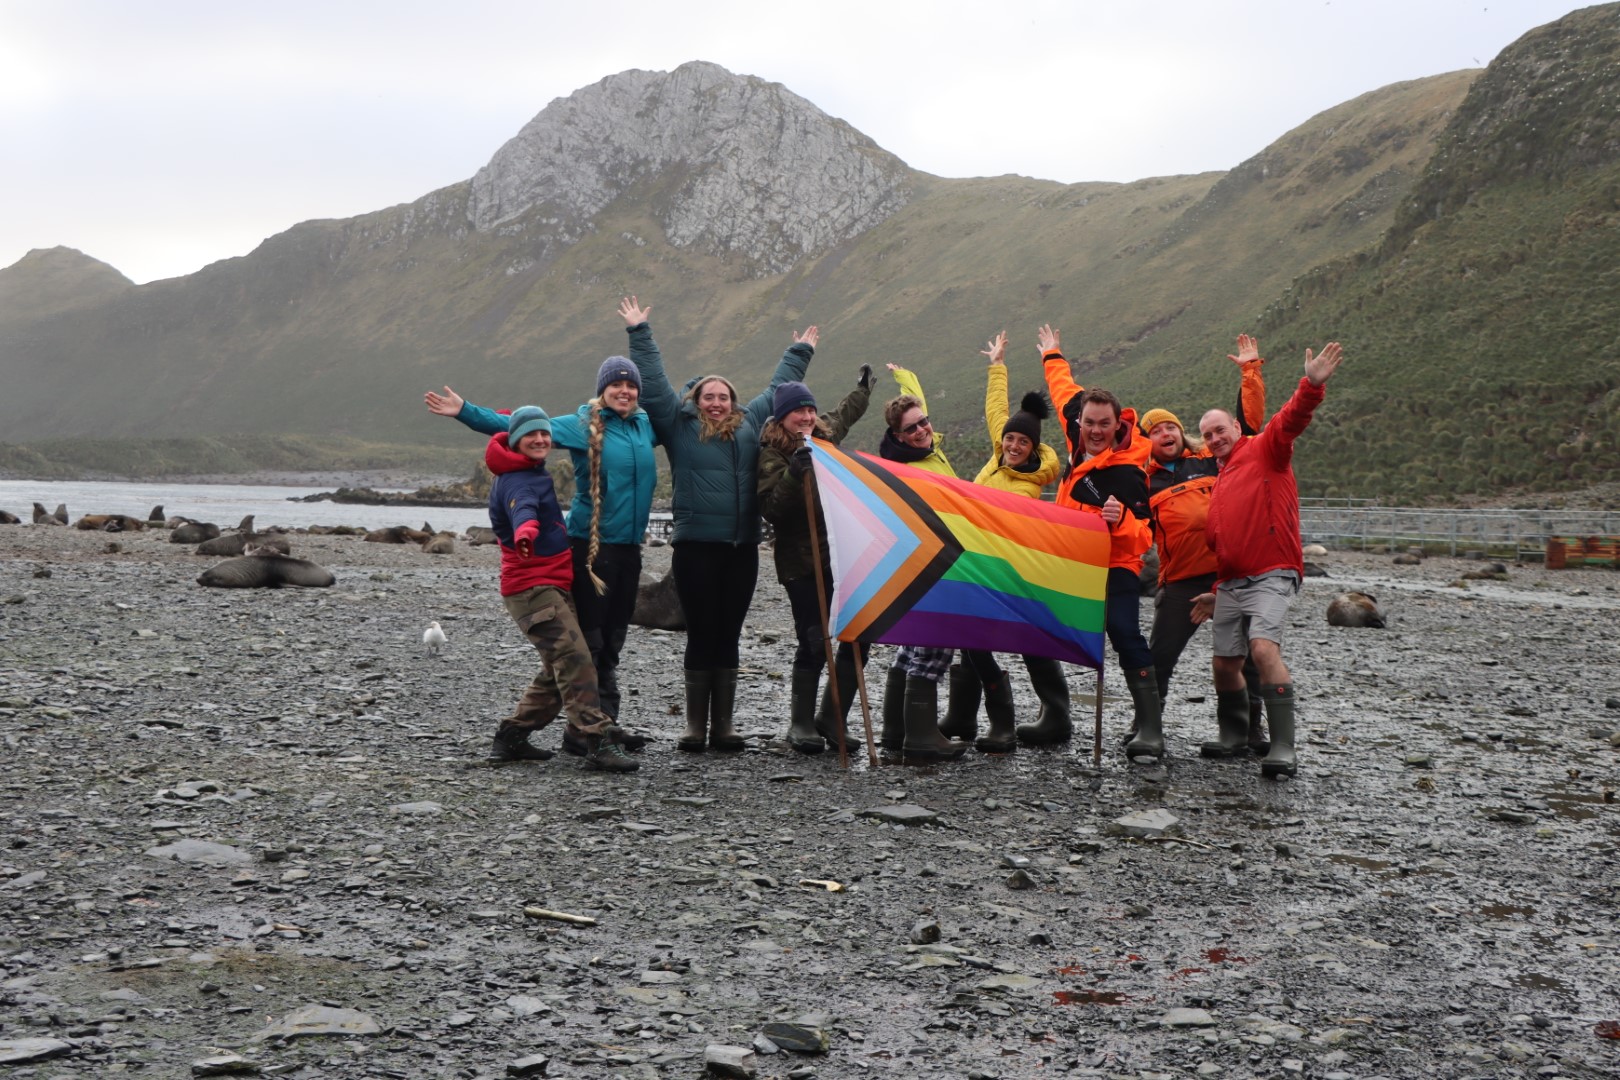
(1181,478)
(1253,529)
(1107,462)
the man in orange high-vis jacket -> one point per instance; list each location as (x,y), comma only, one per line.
(1107,462)
(1253,529)
(1181,479)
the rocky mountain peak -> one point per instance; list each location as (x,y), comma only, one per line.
(739,166)
(51,279)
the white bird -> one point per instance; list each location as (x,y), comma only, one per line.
(433,638)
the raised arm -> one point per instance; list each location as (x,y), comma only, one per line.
(1295,415)
(791,368)
(852,408)
(658,398)
(995,400)
(1251,410)
(452,404)
(1060,384)
(909,384)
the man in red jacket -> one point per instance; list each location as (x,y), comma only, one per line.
(1253,529)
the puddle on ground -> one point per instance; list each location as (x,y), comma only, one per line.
(1534,980)
(1360,860)
(1507,911)
(1089,997)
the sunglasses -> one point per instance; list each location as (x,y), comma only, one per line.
(909,429)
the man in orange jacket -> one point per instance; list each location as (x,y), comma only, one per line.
(1253,529)
(1107,459)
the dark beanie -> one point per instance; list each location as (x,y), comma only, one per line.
(1027,420)
(790,396)
(617,369)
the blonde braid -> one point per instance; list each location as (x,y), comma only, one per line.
(594,445)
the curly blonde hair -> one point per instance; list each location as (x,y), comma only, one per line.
(724,428)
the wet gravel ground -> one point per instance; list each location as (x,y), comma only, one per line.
(1433,896)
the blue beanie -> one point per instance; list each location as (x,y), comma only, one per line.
(524,420)
(790,396)
(617,369)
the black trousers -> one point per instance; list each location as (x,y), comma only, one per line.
(1173,628)
(811,654)
(605,618)
(715,585)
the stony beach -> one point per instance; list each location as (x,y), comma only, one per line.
(254,832)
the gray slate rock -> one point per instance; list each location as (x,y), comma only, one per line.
(202,853)
(1179,1018)
(225,1065)
(22,1051)
(319,1020)
(799,1038)
(1144,823)
(533,1065)
(733,1061)
(904,814)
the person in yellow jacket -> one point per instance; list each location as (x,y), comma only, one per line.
(1022,464)
(911,693)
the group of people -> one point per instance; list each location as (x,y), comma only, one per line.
(1223,515)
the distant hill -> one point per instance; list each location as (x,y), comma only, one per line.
(1457,233)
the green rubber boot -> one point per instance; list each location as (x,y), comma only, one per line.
(962,704)
(923,741)
(1232,715)
(722,703)
(695,739)
(1148,717)
(1002,738)
(802,712)
(1279,760)
(1052,724)
(894,710)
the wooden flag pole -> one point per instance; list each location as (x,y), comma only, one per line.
(826,628)
(1096,740)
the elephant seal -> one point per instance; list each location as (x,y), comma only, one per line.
(238,543)
(440,544)
(193,532)
(7,518)
(657,605)
(43,516)
(1355,609)
(265,569)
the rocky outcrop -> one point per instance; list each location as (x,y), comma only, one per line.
(733,164)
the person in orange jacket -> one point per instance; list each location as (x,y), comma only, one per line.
(1181,480)
(1107,476)
(1253,529)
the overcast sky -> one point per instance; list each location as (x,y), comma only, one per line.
(163,135)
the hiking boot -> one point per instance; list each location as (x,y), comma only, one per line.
(578,745)
(695,739)
(722,702)
(512,744)
(1279,759)
(961,704)
(802,734)
(894,710)
(609,756)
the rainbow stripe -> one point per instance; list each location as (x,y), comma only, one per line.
(924,559)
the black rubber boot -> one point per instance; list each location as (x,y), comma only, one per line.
(923,741)
(1232,714)
(802,712)
(1279,760)
(1148,715)
(512,744)
(830,721)
(722,702)
(894,710)
(699,685)
(1052,724)
(962,704)
(1002,738)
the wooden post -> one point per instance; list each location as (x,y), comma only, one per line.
(1096,739)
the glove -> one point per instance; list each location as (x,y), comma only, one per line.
(864,380)
(799,462)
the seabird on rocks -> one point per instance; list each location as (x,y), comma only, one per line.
(433,638)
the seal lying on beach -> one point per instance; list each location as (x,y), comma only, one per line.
(1355,609)
(264,568)
(238,543)
(43,516)
(156,516)
(193,532)
(110,523)
(7,518)
(440,544)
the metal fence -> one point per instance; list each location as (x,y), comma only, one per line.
(1513,534)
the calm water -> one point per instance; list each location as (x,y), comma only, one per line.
(222,504)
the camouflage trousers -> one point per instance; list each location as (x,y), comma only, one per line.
(567,681)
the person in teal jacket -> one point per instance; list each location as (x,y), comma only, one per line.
(611,441)
(712,441)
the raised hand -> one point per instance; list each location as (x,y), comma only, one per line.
(1248,349)
(811,335)
(449,404)
(863,378)
(997,350)
(632,312)
(1048,339)
(1319,368)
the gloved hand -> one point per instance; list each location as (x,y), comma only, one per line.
(799,461)
(864,380)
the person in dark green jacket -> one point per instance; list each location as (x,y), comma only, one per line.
(712,441)
(784,461)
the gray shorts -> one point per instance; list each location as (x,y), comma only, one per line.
(1260,602)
